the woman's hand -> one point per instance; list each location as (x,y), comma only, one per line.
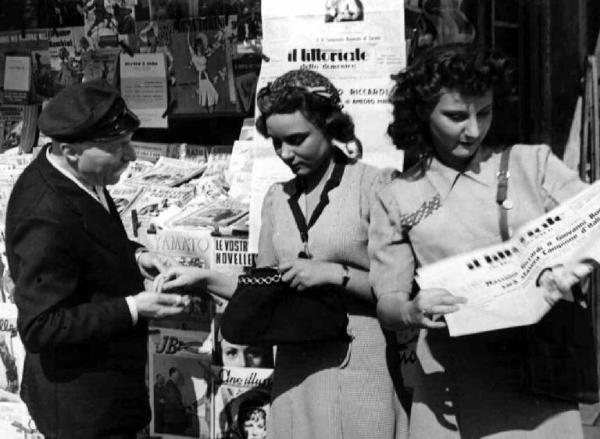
(559,279)
(181,277)
(152,263)
(432,303)
(306,273)
(194,280)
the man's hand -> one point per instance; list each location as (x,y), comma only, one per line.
(159,305)
(151,263)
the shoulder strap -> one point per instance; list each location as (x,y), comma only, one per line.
(504,204)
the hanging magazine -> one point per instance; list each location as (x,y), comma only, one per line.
(180,379)
(241,402)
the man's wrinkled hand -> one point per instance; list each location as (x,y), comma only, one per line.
(159,305)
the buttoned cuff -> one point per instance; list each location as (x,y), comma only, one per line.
(132,309)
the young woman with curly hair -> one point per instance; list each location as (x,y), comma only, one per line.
(469,386)
(343,388)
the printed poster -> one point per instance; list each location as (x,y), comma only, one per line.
(20,44)
(144,87)
(17,79)
(358,45)
(201,50)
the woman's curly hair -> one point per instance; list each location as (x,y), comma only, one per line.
(313,95)
(463,67)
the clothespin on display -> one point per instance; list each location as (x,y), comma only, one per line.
(135,222)
(170,108)
(126,48)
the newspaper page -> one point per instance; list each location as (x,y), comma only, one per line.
(123,195)
(144,87)
(188,248)
(239,173)
(172,172)
(502,283)
(218,160)
(149,204)
(134,169)
(180,380)
(230,255)
(356,44)
(152,151)
(17,79)
(220,213)
(267,169)
(20,42)
(11,166)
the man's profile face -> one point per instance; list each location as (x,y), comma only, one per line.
(102,163)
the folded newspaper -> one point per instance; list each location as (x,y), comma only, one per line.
(502,282)
(171,172)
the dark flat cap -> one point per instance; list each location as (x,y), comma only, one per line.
(91,111)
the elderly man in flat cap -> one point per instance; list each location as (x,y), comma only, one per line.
(79,285)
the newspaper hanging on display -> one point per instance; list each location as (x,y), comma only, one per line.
(356,44)
(504,284)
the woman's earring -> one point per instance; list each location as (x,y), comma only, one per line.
(352,149)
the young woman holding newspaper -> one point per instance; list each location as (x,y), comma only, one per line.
(446,204)
(314,229)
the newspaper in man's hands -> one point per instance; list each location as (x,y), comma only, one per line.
(502,282)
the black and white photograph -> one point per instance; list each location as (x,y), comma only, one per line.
(343,10)
(280,219)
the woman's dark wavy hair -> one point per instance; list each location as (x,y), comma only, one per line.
(465,67)
(313,95)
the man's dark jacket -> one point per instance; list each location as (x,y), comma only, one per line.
(73,265)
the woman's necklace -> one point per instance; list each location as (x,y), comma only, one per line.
(299,217)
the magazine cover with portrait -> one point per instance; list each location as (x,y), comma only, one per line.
(241,391)
(180,379)
(201,50)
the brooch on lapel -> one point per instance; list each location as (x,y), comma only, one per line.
(426,209)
